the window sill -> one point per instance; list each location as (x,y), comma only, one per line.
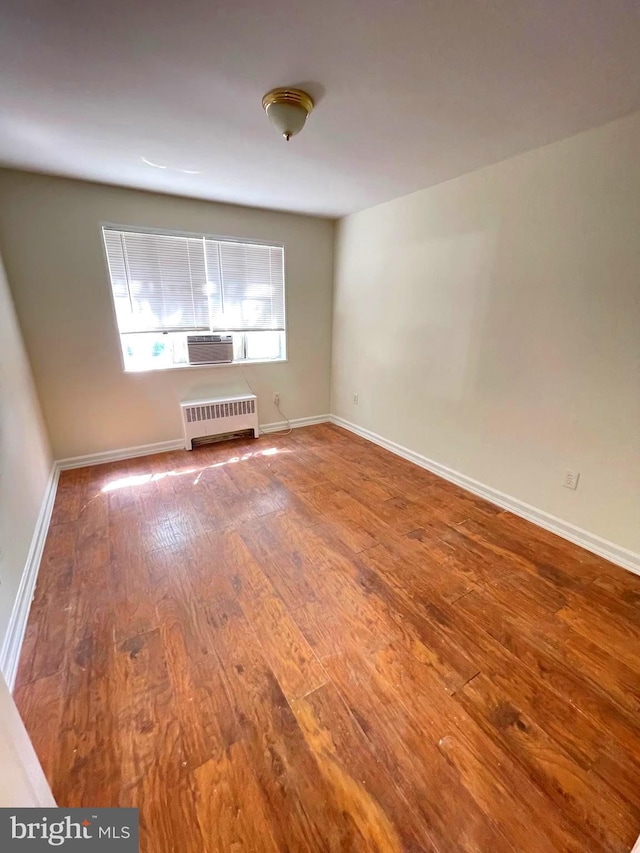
(243,363)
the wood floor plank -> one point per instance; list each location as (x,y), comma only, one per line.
(498,784)
(555,651)
(618,589)
(348,761)
(202,708)
(68,496)
(231,810)
(304,811)
(414,761)
(307,644)
(548,558)
(56,567)
(152,754)
(419,570)
(42,703)
(54,601)
(290,569)
(355,538)
(384,595)
(88,770)
(132,595)
(289,655)
(591,729)
(463,743)
(586,800)
(426,621)
(622,641)
(330,631)
(209,571)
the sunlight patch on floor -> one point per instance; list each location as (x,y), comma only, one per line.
(136,480)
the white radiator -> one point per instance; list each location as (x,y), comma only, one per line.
(218,416)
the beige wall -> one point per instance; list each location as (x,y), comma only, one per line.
(25,458)
(50,236)
(492,324)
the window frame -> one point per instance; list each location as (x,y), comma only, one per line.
(171,232)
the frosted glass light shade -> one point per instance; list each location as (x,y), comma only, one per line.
(287,110)
(288,119)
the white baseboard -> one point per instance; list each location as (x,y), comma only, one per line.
(13,639)
(596,544)
(296,422)
(122,453)
(166,446)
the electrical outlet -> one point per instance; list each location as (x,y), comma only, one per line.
(571,479)
(356,399)
(276,398)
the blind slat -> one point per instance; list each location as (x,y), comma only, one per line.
(164,282)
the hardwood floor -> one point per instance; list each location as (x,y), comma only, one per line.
(304,643)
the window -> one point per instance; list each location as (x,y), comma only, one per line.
(166,286)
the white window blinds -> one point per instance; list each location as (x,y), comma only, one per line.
(165,282)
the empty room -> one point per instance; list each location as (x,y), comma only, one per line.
(320,426)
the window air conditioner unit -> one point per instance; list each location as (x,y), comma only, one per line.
(210,349)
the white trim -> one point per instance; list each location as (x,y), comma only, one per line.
(23,781)
(295,423)
(596,544)
(166,446)
(13,639)
(245,362)
(122,453)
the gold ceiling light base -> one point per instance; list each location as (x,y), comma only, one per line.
(288,109)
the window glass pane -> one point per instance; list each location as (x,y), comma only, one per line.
(147,352)
(264,345)
(154,351)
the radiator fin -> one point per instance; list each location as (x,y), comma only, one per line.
(220,410)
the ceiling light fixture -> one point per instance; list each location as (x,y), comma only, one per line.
(287,110)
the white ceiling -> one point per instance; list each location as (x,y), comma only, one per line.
(409,93)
